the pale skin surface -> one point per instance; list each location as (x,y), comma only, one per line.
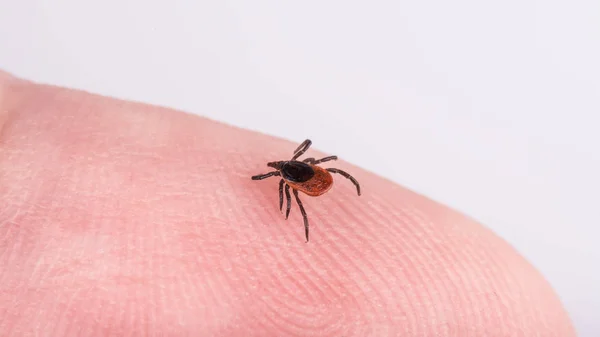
(123,219)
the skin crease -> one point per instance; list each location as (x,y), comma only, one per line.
(123,219)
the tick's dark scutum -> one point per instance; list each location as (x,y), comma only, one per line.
(297,171)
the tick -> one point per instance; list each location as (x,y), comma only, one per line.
(304,176)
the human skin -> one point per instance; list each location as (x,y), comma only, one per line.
(123,219)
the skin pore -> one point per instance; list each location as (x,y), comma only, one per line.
(124,219)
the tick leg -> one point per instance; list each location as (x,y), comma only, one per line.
(322,160)
(289,201)
(281,183)
(266,175)
(303,213)
(354,181)
(301,149)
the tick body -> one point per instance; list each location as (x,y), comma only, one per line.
(304,176)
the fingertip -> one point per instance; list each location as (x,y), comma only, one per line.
(390,262)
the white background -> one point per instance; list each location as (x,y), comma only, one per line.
(490,107)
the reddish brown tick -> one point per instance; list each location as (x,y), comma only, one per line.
(304,176)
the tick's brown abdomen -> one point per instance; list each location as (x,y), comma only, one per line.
(319,184)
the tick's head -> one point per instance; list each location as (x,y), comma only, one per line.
(276,164)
